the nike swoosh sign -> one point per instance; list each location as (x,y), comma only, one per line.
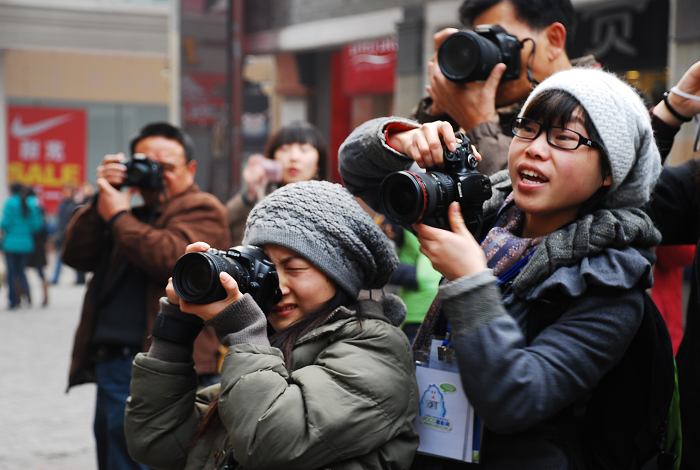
(20,130)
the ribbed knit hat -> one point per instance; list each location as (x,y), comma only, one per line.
(623,123)
(322,222)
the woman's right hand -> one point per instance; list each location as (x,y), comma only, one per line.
(424,144)
(689,83)
(255,178)
(113,169)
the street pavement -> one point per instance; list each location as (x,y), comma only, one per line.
(42,427)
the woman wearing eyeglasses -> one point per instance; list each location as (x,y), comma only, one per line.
(549,298)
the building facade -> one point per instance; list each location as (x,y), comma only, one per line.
(232,71)
(650,42)
(96,70)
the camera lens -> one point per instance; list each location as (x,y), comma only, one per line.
(408,197)
(196,277)
(466,56)
(403,196)
(143,173)
(136,172)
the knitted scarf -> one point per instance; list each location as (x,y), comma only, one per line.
(506,252)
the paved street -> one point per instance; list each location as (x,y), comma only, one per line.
(42,427)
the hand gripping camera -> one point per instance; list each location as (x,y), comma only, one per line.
(408,197)
(196,275)
(467,56)
(143,172)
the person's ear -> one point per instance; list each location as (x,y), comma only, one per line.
(192,167)
(607,181)
(556,40)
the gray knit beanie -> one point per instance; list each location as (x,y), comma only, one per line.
(623,123)
(322,222)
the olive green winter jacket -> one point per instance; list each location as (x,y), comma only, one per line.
(349,403)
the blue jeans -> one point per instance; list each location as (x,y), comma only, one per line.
(56,270)
(79,275)
(112,377)
(16,277)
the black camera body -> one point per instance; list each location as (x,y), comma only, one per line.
(467,56)
(144,173)
(408,197)
(196,275)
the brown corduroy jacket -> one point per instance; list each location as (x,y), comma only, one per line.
(91,245)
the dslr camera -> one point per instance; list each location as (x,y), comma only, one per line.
(408,197)
(196,275)
(144,173)
(467,56)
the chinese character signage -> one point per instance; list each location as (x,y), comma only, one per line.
(46,150)
(368,67)
(623,35)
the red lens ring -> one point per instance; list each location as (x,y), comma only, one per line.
(424,192)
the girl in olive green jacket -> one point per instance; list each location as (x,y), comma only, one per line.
(333,387)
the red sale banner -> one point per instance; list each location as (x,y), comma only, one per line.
(46,150)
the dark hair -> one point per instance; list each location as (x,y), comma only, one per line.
(300,132)
(555,108)
(167,130)
(16,188)
(538,14)
(21,190)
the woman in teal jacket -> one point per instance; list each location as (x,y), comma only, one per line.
(333,387)
(21,218)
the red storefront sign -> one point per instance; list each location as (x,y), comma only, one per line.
(203,98)
(368,67)
(46,150)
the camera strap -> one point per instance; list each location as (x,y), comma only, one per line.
(474,223)
(177,327)
(530,78)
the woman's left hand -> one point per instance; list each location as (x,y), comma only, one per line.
(453,253)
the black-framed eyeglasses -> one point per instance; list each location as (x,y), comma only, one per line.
(559,137)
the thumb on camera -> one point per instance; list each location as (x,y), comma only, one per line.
(457,223)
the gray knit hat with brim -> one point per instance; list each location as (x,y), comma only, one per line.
(623,123)
(323,223)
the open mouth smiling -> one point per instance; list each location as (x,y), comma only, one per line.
(283,309)
(532,177)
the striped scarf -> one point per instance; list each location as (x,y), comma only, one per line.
(506,252)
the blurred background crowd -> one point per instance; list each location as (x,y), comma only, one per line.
(233,72)
(268,90)
(78,78)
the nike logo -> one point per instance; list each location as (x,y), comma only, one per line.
(20,130)
(372,59)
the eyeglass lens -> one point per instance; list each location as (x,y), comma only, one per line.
(556,136)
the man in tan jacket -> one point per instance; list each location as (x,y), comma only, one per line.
(131,252)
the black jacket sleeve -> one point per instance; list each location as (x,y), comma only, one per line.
(675,204)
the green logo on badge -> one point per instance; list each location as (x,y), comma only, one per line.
(448,388)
